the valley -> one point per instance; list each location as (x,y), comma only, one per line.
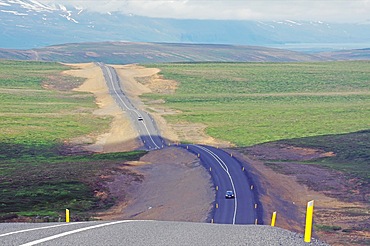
(162,98)
(184,122)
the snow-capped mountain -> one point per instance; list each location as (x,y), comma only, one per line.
(34,8)
(28,24)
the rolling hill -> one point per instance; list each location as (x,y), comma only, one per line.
(128,52)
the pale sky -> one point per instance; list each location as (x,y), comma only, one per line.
(315,10)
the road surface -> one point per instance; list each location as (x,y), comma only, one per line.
(145,233)
(142,121)
(227,172)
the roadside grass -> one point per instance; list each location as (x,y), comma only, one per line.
(315,104)
(327,228)
(45,186)
(39,113)
(352,151)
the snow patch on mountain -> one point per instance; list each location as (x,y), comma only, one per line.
(4,4)
(265,24)
(293,22)
(68,17)
(12,12)
(32,5)
(29,6)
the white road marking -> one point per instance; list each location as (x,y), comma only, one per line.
(128,108)
(42,240)
(38,228)
(226,169)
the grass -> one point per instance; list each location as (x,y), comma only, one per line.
(352,151)
(327,228)
(255,103)
(47,185)
(39,113)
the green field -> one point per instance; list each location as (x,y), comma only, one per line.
(254,103)
(38,115)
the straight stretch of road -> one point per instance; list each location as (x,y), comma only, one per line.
(143,122)
(226,171)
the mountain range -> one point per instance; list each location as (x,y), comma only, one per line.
(27,24)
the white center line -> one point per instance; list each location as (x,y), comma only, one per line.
(125,105)
(226,169)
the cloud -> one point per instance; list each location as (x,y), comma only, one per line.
(326,10)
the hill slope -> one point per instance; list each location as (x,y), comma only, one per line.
(127,52)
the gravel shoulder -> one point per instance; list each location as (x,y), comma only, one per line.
(171,190)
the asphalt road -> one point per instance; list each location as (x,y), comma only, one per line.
(226,171)
(228,174)
(142,121)
(145,233)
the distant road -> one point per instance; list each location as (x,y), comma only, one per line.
(143,122)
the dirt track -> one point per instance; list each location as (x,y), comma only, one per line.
(187,182)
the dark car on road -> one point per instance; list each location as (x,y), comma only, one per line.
(229,194)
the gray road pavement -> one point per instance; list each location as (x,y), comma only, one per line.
(146,233)
(143,122)
(228,174)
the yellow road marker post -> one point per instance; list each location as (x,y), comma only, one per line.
(251,187)
(309,216)
(216,205)
(243,169)
(67,215)
(198,155)
(255,205)
(273,219)
(216,187)
(210,169)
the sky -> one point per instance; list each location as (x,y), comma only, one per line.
(312,10)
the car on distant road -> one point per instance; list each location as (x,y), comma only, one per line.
(140,118)
(229,194)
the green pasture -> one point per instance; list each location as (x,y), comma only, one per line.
(255,103)
(39,113)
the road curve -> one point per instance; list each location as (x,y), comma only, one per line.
(228,174)
(226,171)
